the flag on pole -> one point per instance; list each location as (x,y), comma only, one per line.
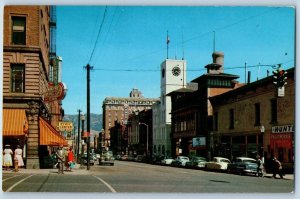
(168,39)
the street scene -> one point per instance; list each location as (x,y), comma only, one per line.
(142,99)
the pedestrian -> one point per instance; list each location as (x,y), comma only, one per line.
(260,167)
(277,168)
(70,159)
(7,159)
(18,156)
(60,159)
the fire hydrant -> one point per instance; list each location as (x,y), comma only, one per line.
(16,164)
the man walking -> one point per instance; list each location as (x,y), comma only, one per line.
(277,168)
(60,159)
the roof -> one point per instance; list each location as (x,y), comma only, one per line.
(223,75)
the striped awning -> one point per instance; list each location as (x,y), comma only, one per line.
(49,136)
(14,122)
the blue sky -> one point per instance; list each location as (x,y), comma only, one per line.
(134,38)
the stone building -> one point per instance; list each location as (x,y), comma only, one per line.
(30,112)
(253,120)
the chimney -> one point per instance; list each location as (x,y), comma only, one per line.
(218,58)
(217,66)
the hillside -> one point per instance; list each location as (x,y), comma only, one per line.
(96,122)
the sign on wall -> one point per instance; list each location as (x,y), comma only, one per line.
(199,141)
(65,126)
(283,129)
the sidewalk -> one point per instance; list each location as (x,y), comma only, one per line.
(77,170)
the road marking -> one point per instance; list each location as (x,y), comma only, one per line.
(106,184)
(10,188)
(10,178)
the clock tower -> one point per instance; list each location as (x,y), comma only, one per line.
(173,77)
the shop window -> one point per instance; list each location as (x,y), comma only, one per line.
(19,30)
(17,78)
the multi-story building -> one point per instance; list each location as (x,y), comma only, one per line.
(116,110)
(30,110)
(173,77)
(252,120)
(192,111)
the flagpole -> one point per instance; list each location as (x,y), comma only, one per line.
(168,41)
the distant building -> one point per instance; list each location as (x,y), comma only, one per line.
(118,109)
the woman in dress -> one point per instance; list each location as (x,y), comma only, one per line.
(7,160)
(18,156)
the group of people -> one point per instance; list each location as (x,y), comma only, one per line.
(277,168)
(62,157)
(7,157)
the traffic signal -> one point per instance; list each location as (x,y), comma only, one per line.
(279,78)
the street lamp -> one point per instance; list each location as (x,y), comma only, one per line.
(140,123)
(82,118)
(262,130)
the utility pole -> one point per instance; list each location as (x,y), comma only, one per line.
(88,68)
(78,135)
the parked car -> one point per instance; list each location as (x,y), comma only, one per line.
(130,158)
(157,159)
(84,159)
(196,162)
(124,157)
(180,161)
(218,163)
(167,161)
(243,165)
(106,157)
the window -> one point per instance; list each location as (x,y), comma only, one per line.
(231,119)
(19,30)
(273,110)
(17,78)
(257,114)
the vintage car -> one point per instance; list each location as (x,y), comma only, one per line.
(196,162)
(217,163)
(167,161)
(180,161)
(106,157)
(243,165)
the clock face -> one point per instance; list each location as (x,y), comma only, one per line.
(176,71)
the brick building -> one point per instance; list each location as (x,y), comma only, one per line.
(252,120)
(30,117)
(192,111)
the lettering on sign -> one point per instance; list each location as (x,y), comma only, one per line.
(65,126)
(283,129)
(55,92)
(281,136)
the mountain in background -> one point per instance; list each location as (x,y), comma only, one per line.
(95,126)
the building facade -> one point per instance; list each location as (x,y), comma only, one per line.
(252,120)
(30,113)
(116,110)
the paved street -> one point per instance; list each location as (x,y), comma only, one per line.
(139,177)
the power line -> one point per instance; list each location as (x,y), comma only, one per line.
(103,18)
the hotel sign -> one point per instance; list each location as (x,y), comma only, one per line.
(283,129)
(65,126)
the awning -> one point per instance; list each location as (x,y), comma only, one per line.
(14,122)
(49,136)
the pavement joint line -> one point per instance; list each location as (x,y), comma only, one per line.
(10,188)
(106,184)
